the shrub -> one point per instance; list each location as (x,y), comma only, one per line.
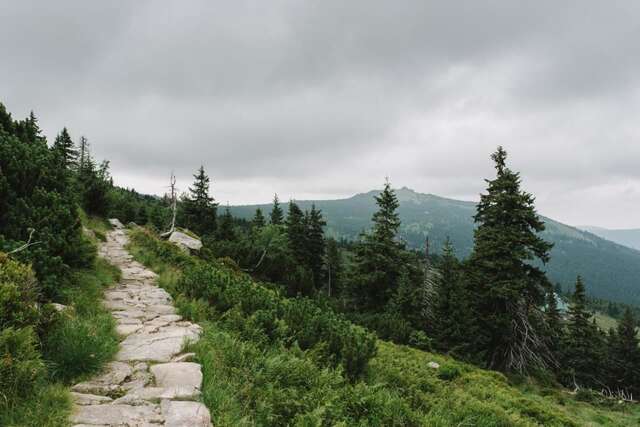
(21,368)
(18,293)
(262,314)
(448,372)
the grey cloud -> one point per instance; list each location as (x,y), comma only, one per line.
(324,99)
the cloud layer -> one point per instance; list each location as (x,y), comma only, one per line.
(325,99)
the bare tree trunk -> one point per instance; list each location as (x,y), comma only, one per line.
(174,206)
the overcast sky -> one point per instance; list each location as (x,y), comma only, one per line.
(323,99)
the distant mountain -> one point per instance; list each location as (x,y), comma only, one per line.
(629,237)
(611,271)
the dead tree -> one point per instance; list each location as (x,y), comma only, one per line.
(26,245)
(174,206)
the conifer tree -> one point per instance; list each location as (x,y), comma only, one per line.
(199,208)
(510,289)
(378,255)
(83,153)
(65,149)
(582,349)
(334,267)
(226,229)
(624,369)
(315,244)
(258,219)
(297,233)
(454,321)
(277,216)
(554,325)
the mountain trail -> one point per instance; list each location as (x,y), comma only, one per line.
(151,382)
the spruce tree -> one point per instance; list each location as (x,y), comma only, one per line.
(297,233)
(554,325)
(378,256)
(199,208)
(315,244)
(582,349)
(258,219)
(454,321)
(510,288)
(624,369)
(277,216)
(226,229)
(65,149)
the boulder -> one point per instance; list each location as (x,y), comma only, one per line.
(185,241)
(115,223)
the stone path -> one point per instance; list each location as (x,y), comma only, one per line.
(151,383)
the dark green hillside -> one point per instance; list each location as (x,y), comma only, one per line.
(611,271)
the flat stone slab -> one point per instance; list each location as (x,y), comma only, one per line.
(89,399)
(157,347)
(117,415)
(178,374)
(185,414)
(155,394)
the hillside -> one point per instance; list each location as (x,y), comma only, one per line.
(611,271)
(625,237)
(272,360)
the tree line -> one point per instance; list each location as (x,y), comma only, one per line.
(495,308)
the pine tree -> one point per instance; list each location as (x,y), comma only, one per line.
(258,219)
(624,369)
(315,244)
(65,149)
(554,324)
(226,229)
(297,233)
(199,208)
(454,321)
(277,216)
(582,349)
(511,290)
(378,256)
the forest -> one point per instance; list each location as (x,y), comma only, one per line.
(301,328)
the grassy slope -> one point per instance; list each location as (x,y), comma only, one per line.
(246,384)
(76,347)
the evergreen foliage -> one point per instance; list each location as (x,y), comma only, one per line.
(583,344)
(258,220)
(276,216)
(198,207)
(378,256)
(509,289)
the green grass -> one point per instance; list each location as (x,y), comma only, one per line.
(84,339)
(249,383)
(50,406)
(75,346)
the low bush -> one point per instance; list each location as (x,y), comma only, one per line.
(21,366)
(265,315)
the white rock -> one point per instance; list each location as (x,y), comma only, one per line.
(58,307)
(158,393)
(156,347)
(89,399)
(433,365)
(177,374)
(185,414)
(185,241)
(117,415)
(115,223)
